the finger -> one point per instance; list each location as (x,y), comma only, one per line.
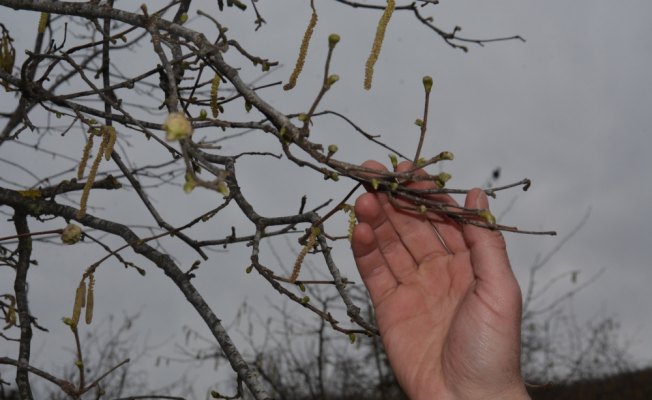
(488,251)
(447,231)
(399,260)
(373,268)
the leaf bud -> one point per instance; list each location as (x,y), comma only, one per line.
(487,216)
(332,79)
(190,184)
(374,183)
(332,149)
(444,177)
(418,122)
(203,114)
(427,83)
(352,337)
(333,39)
(223,188)
(305,300)
(441,179)
(394,160)
(183,18)
(302,117)
(446,155)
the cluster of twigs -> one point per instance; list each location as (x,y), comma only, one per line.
(58,77)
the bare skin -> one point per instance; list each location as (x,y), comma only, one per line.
(448,309)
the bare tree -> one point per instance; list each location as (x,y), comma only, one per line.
(69,87)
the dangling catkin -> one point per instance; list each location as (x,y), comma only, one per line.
(43,22)
(80,299)
(214,86)
(110,131)
(90,300)
(303,50)
(310,243)
(378,42)
(85,154)
(91,176)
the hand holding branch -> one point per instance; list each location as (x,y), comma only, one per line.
(447,303)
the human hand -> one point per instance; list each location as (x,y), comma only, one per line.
(446,301)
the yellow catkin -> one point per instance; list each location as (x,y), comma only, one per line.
(91,177)
(113,136)
(43,22)
(85,154)
(10,315)
(310,243)
(352,221)
(214,86)
(90,300)
(80,299)
(303,50)
(378,43)
(7,54)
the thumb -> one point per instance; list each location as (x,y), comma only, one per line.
(496,282)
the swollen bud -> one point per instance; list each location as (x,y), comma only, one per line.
(441,179)
(190,184)
(427,83)
(223,189)
(332,149)
(332,79)
(177,126)
(333,38)
(487,216)
(446,155)
(394,160)
(183,18)
(71,234)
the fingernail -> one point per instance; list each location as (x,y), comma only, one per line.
(481,201)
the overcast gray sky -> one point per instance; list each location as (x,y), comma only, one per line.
(569,109)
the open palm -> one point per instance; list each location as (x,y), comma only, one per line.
(446,301)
